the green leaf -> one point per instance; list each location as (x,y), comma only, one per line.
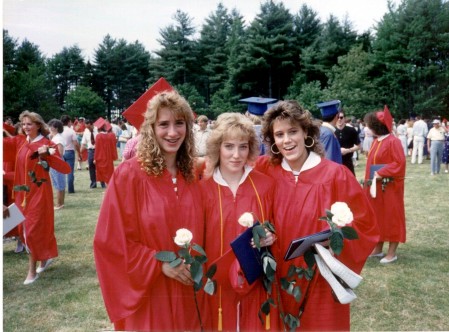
(291,271)
(265,307)
(329,214)
(269,226)
(349,233)
(297,293)
(201,259)
(336,243)
(309,258)
(199,249)
(44,165)
(32,175)
(285,284)
(184,253)
(256,238)
(197,286)
(210,287)
(309,274)
(22,187)
(165,256)
(196,271)
(211,271)
(261,231)
(176,262)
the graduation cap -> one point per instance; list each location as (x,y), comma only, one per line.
(10,129)
(100,122)
(257,105)
(386,118)
(329,108)
(135,113)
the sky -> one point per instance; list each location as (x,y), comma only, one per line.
(55,24)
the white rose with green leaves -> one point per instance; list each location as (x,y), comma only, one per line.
(183,237)
(246,219)
(342,214)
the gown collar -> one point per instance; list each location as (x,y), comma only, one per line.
(218,178)
(328,125)
(381,138)
(312,160)
(37,138)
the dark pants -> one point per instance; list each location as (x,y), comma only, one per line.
(92,170)
(69,157)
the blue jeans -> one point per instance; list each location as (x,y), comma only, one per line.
(92,169)
(69,157)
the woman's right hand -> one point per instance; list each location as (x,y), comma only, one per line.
(180,273)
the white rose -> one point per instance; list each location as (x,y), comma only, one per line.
(342,214)
(183,237)
(246,219)
(51,151)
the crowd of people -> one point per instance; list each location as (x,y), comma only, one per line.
(175,173)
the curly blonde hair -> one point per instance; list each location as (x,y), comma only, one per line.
(292,111)
(149,153)
(37,119)
(230,125)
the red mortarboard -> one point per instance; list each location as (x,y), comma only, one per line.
(386,118)
(223,266)
(135,113)
(99,122)
(10,129)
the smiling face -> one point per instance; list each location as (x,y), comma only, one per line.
(169,131)
(234,153)
(289,139)
(30,128)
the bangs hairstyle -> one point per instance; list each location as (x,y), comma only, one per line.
(373,123)
(293,112)
(230,126)
(37,119)
(149,153)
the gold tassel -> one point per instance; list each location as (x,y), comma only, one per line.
(24,202)
(220,320)
(267,322)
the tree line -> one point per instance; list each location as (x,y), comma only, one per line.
(402,62)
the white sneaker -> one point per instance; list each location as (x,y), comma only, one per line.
(344,295)
(351,278)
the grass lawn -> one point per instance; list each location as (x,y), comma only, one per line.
(410,294)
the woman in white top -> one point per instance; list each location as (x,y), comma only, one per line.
(401,132)
(58,179)
(368,141)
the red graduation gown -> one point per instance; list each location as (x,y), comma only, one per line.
(388,204)
(37,204)
(297,207)
(104,156)
(139,216)
(239,303)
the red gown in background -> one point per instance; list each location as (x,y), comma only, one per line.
(37,204)
(297,207)
(388,204)
(8,199)
(104,156)
(139,216)
(240,305)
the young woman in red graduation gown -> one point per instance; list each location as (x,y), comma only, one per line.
(149,198)
(105,153)
(389,202)
(229,189)
(306,185)
(37,204)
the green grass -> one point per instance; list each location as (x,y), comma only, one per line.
(411,294)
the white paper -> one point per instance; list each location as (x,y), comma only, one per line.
(372,189)
(15,218)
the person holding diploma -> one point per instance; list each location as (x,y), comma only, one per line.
(230,188)
(149,198)
(36,203)
(387,194)
(306,185)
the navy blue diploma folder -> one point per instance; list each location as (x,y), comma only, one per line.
(299,246)
(374,168)
(248,257)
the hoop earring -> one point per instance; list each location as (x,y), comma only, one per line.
(271,148)
(313,142)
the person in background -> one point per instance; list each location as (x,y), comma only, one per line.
(79,126)
(36,202)
(306,185)
(435,144)
(88,144)
(57,178)
(124,137)
(230,188)
(445,159)
(201,135)
(387,198)
(401,132)
(148,199)
(329,113)
(349,141)
(420,131)
(409,137)
(105,153)
(130,149)
(71,145)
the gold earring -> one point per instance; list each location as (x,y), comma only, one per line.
(313,142)
(271,148)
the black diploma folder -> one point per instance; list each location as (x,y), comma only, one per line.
(374,168)
(299,246)
(249,258)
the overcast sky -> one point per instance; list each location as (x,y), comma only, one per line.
(54,24)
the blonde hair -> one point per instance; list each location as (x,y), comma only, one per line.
(230,125)
(292,111)
(149,153)
(37,119)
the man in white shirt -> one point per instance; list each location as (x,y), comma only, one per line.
(201,135)
(71,145)
(88,142)
(420,131)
